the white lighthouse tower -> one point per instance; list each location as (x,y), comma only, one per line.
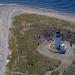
(57,40)
(58,45)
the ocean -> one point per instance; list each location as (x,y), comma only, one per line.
(59,5)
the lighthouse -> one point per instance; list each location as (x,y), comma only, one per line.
(58,44)
(57,40)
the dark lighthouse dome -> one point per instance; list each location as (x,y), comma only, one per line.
(58,33)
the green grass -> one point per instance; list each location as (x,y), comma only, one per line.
(22,44)
(28,18)
(70,70)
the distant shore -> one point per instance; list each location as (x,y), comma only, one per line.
(10,10)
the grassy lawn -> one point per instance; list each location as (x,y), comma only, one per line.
(29,18)
(23,41)
(70,70)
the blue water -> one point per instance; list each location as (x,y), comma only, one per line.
(61,5)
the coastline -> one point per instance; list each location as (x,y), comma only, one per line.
(8,11)
(42,8)
(43,11)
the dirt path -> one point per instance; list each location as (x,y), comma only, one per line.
(66,59)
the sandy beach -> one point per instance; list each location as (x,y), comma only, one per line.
(6,14)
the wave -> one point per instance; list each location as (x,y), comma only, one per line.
(10,4)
